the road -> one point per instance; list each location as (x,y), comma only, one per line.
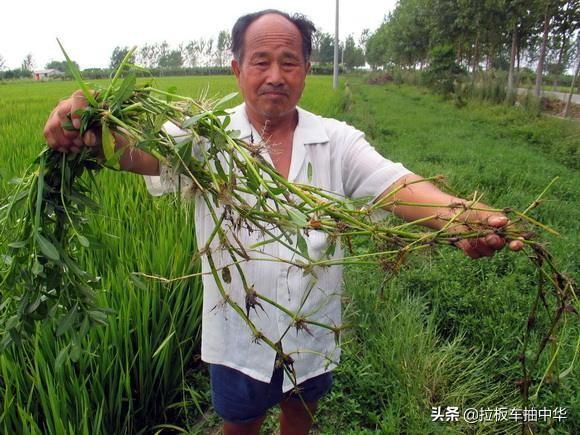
(559,95)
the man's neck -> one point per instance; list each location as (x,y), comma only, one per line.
(273,127)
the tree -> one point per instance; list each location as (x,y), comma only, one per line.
(162,51)
(171,59)
(2,63)
(475,28)
(565,23)
(377,47)
(192,52)
(520,20)
(364,37)
(574,78)
(223,48)
(61,66)
(157,55)
(353,55)
(28,63)
(403,38)
(208,53)
(549,10)
(148,56)
(323,51)
(443,71)
(201,49)
(118,55)
(315,46)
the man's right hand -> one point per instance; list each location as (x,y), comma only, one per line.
(66,140)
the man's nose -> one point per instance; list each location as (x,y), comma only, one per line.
(275,74)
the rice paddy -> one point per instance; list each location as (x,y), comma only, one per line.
(139,372)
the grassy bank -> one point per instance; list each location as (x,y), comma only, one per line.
(446,331)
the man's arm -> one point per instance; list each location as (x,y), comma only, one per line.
(132,159)
(139,162)
(409,189)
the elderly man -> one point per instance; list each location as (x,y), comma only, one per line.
(271,60)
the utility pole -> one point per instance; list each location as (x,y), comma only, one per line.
(335,73)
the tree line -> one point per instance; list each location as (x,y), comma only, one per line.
(484,35)
(25,70)
(212,52)
(203,56)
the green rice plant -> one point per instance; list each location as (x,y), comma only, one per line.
(125,381)
(130,374)
(116,386)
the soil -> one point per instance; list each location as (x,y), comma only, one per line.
(380,79)
(556,108)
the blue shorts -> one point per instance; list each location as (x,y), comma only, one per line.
(238,398)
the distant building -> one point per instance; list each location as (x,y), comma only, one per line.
(46,74)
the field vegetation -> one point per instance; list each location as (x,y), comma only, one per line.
(466,317)
(445,331)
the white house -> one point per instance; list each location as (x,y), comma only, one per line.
(45,74)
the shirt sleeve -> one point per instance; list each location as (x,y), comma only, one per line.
(168,181)
(366,173)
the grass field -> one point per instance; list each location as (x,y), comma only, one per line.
(510,156)
(444,332)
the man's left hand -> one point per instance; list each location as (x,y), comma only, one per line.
(489,244)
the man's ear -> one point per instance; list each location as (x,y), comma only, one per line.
(308,65)
(236,68)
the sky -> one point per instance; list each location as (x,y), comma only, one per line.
(91,30)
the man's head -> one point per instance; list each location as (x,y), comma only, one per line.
(303,24)
(271,59)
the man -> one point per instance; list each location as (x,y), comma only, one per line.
(271,60)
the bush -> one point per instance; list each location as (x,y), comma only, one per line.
(531,103)
(444,73)
(325,69)
(490,86)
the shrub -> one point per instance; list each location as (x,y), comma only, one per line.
(444,72)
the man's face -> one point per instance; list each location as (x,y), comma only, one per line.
(272,71)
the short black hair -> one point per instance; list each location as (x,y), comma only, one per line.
(305,26)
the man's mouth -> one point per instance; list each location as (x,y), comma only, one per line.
(275,93)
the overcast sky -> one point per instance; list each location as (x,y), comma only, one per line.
(90,30)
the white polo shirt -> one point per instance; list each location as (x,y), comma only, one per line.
(340,161)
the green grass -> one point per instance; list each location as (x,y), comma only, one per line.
(486,302)
(444,332)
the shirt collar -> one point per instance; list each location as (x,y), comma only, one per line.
(309,130)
